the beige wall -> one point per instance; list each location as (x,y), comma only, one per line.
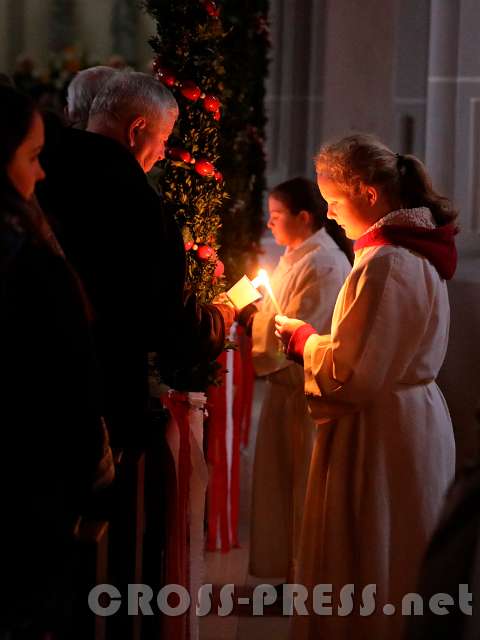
(92,31)
(92,26)
(36,27)
(3,34)
(359,68)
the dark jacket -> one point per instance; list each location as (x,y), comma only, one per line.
(52,434)
(131,259)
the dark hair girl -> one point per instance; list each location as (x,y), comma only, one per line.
(300,194)
(306,283)
(16,115)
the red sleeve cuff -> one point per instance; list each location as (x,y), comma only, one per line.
(296,344)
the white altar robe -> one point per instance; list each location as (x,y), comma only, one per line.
(306,283)
(380,470)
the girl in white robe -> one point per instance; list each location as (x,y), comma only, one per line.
(306,283)
(384,453)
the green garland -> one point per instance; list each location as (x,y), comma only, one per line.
(216,148)
(189,61)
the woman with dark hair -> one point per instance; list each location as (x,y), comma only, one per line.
(384,452)
(53,442)
(306,283)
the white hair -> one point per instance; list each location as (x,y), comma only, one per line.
(82,91)
(130,93)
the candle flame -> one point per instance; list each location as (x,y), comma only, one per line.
(262,280)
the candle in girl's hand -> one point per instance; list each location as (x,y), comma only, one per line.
(263,280)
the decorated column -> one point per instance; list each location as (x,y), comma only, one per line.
(189,62)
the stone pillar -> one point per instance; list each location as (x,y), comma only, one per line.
(279,90)
(62,24)
(316,97)
(295,87)
(467,126)
(15,11)
(442,92)
(146,29)
(123,28)
(452,145)
(411,71)
(37,13)
(303,58)
(4,34)
(359,68)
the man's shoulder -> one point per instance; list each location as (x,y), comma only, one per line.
(98,147)
(96,176)
(88,159)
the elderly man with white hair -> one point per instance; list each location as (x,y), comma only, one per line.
(127,250)
(82,91)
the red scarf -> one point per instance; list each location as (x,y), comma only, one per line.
(436,245)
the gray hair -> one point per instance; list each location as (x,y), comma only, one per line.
(82,91)
(130,93)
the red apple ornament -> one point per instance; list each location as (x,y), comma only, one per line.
(211,103)
(165,74)
(190,91)
(211,8)
(205,252)
(176,153)
(219,269)
(204,168)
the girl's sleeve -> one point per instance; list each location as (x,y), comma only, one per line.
(381,322)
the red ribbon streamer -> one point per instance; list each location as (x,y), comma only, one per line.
(224,502)
(217,499)
(176,561)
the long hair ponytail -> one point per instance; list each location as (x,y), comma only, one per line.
(360,160)
(416,190)
(301,194)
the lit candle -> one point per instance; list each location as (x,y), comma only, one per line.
(263,280)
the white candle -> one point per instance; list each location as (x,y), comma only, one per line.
(263,280)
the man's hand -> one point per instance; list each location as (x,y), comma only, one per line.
(229,314)
(285,327)
(222,298)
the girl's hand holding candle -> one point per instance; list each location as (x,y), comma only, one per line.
(285,328)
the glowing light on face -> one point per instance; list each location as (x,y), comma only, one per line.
(262,280)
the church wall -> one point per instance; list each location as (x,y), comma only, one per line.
(27,26)
(92,28)
(412,27)
(359,68)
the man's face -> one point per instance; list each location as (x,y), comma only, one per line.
(149,141)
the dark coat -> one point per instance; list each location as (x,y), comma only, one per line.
(131,259)
(52,433)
